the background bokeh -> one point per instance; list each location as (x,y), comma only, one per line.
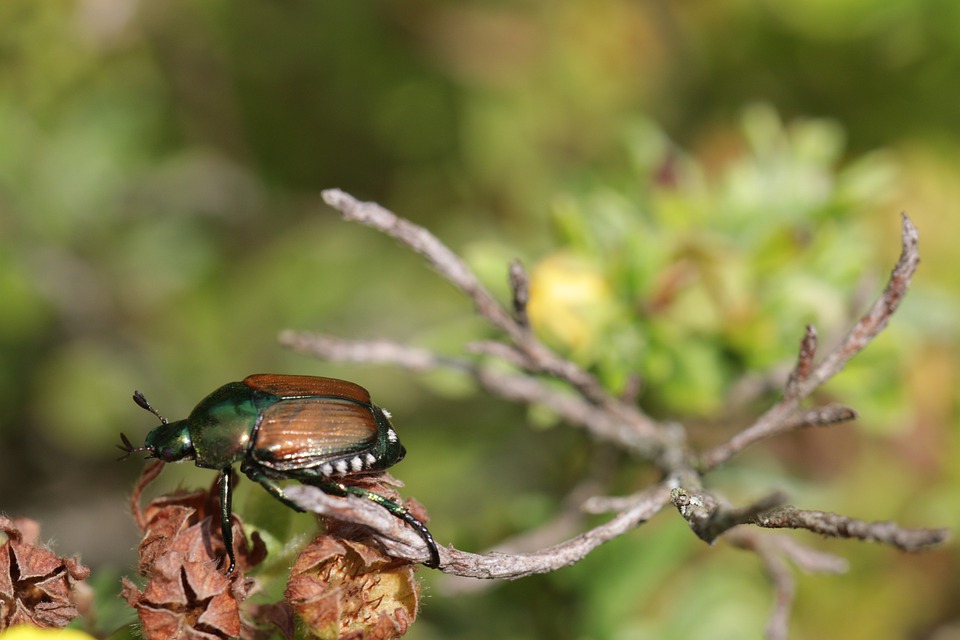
(688,183)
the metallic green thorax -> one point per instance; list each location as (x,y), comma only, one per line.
(315,430)
(220,427)
(215,434)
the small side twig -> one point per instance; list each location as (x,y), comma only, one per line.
(801,371)
(807,559)
(806,377)
(773,552)
(520,287)
(825,416)
(838,526)
(370,351)
(784,592)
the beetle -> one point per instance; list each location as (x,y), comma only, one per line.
(319,431)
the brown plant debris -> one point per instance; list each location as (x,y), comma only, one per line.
(187,595)
(36,586)
(346,589)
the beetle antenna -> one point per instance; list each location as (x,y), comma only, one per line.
(143,404)
(128,448)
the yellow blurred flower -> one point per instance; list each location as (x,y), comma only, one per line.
(27,632)
(570,300)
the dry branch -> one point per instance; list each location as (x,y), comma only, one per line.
(402,542)
(579,398)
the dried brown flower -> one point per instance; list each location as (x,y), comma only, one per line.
(187,595)
(36,586)
(187,599)
(349,589)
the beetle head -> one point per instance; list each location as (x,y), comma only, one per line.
(169,442)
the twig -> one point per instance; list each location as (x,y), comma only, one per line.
(784,586)
(876,319)
(807,559)
(804,379)
(402,542)
(612,504)
(519,388)
(573,408)
(446,262)
(801,371)
(773,550)
(368,351)
(837,526)
(520,287)
(498,350)
(825,416)
(567,521)
(784,592)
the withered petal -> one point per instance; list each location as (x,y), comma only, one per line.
(130,592)
(304,589)
(55,587)
(370,558)
(75,569)
(193,502)
(159,623)
(205,579)
(223,615)
(6,579)
(34,562)
(347,588)
(54,614)
(148,475)
(166,586)
(321,550)
(195,543)
(390,626)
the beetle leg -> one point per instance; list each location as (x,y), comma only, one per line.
(271,486)
(226,511)
(338,489)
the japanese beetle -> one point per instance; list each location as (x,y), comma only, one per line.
(312,429)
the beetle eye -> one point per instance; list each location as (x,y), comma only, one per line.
(168,455)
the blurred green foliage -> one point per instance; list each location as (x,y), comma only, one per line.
(688,184)
(728,269)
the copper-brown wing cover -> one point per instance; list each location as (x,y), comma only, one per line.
(306,432)
(307,386)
